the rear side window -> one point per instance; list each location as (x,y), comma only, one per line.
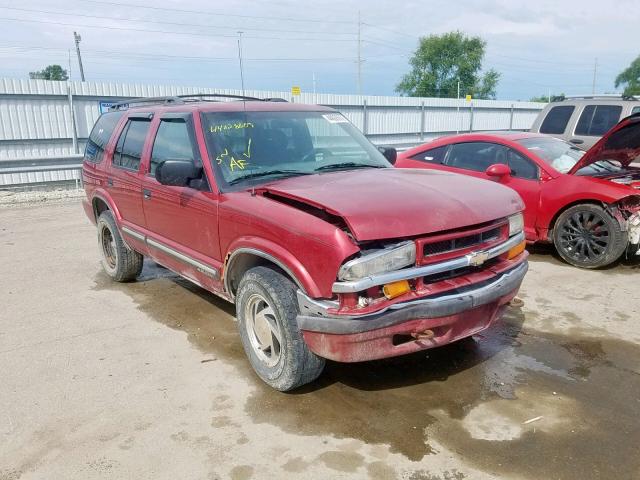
(129,147)
(596,120)
(434,155)
(172,142)
(557,119)
(100,135)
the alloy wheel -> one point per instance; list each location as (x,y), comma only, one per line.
(585,236)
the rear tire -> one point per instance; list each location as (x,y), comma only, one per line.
(587,236)
(119,262)
(266,309)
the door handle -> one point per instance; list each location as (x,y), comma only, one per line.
(576,141)
(109,182)
(146,194)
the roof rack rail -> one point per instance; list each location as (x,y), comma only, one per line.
(603,96)
(180,99)
(125,104)
(221,95)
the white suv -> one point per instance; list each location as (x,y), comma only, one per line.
(583,120)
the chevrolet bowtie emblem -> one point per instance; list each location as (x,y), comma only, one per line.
(477,258)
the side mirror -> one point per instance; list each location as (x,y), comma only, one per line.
(498,170)
(390,153)
(178,173)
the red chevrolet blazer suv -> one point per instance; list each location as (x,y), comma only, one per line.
(289,212)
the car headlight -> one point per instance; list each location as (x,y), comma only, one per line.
(516,224)
(384,260)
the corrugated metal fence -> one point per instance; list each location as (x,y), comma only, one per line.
(40,118)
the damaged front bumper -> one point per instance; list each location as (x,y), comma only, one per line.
(410,326)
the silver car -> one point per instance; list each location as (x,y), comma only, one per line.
(583,120)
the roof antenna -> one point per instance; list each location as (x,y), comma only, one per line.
(241,68)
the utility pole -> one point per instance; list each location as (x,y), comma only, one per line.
(359,55)
(69,72)
(240,59)
(595,70)
(77,39)
(314,83)
(458,109)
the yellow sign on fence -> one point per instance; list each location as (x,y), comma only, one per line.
(468,98)
(295,90)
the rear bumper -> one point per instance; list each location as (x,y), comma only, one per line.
(436,320)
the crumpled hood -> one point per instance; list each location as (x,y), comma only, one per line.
(621,143)
(393,202)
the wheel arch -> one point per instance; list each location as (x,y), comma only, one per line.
(244,258)
(101,202)
(584,201)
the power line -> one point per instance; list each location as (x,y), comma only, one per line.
(203,12)
(166,57)
(159,22)
(221,35)
(397,32)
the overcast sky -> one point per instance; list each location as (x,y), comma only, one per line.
(536,46)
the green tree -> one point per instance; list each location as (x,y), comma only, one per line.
(545,98)
(52,72)
(630,78)
(440,61)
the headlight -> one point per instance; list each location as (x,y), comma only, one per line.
(516,224)
(384,260)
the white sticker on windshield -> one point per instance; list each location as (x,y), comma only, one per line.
(335,118)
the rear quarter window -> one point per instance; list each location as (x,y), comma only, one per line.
(635,110)
(433,155)
(100,135)
(597,120)
(557,119)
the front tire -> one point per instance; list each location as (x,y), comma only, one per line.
(587,236)
(266,309)
(119,262)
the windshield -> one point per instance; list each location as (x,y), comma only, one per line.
(557,153)
(248,148)
(563,156)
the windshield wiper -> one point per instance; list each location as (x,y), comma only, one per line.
(267,173)
(339,166)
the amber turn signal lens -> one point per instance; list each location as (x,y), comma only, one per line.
(517,250)
(395,289)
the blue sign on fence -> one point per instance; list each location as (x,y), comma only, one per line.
(105,105)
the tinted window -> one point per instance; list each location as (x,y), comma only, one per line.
(476,156)
(521,167)
(557,119)
(100,135)
(129,147)
(172,142)
(635,110)
(596,120)
(434,155)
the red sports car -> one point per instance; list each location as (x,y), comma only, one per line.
(586,204)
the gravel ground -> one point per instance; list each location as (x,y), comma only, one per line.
(148,380)
(9,198)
